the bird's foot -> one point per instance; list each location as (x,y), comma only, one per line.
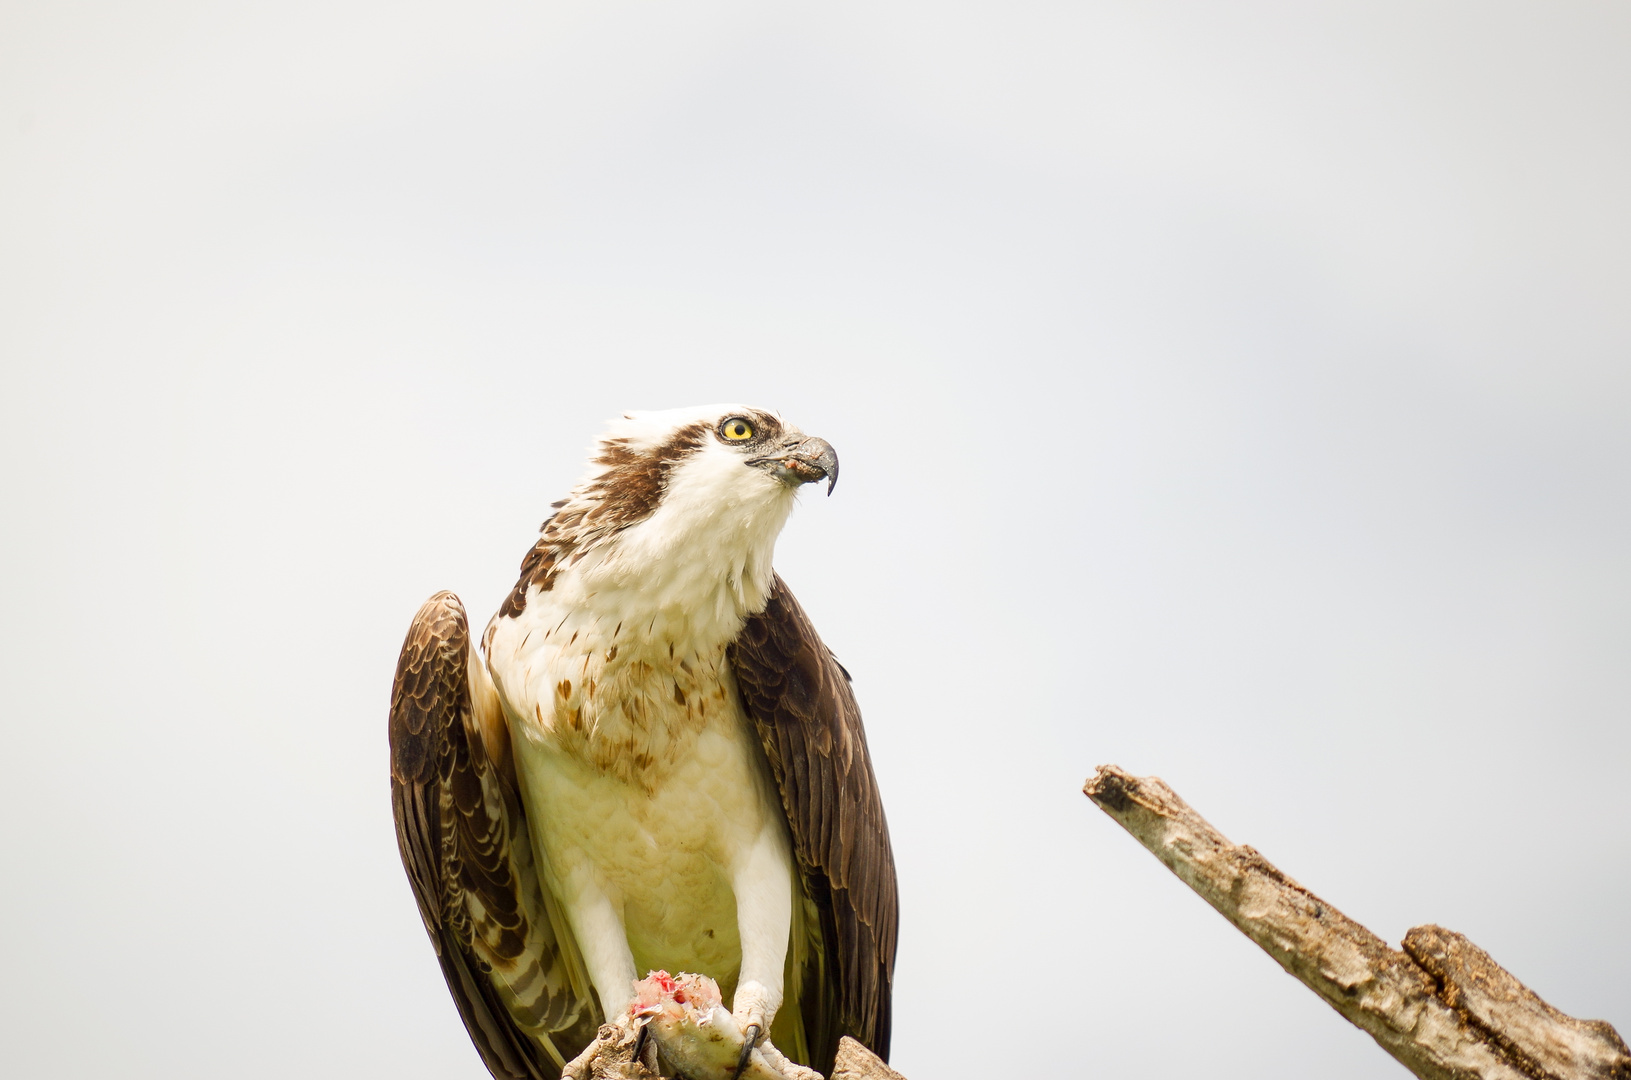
(582,1066)
(750,1036)
(754,1006)
(779,1061)
(699,1039)
(620,1049)
(752,1009)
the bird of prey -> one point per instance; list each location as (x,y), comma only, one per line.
(652,762)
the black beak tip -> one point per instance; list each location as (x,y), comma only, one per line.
(828,460)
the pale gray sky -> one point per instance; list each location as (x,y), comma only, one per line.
(1238,393)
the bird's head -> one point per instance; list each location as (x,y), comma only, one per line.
(724,455)
(734,451)
(691,493)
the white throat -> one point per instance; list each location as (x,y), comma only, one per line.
(691,572)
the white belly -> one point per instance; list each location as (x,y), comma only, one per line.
(665,855)
(658,829)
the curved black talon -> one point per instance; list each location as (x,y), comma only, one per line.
(640,1042)
(749,1037)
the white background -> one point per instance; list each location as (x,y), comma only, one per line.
(1235,392)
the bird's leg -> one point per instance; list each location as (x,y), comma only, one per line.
(598,926)
(763,883)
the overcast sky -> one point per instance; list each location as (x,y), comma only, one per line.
(1239,393)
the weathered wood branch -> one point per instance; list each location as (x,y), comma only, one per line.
(1441,1006)
(856,1062)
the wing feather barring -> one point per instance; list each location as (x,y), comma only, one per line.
(651,764)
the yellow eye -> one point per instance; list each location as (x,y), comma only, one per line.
(736,429)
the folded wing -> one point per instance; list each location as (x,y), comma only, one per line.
(513,969)
(800,700)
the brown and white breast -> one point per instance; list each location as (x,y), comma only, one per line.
(640,772)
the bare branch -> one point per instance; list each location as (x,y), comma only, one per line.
(1486,995)
(856,1062)
(1442,1007)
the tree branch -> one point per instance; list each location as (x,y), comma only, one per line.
(856,1062)
(1442,1007)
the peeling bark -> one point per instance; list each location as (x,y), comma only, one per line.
(1441,1006)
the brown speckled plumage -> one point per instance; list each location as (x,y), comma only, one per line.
(463,838)
(626,707)
(626,492)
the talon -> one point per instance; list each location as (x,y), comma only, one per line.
(582,1066)
(749,1037)
(640,1041)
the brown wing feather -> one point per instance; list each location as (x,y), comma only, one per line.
(799,698)
(463,837)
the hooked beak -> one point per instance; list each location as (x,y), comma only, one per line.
(801,460)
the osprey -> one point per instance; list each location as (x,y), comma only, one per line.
(653,762)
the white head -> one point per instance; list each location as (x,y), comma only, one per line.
(679,510)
